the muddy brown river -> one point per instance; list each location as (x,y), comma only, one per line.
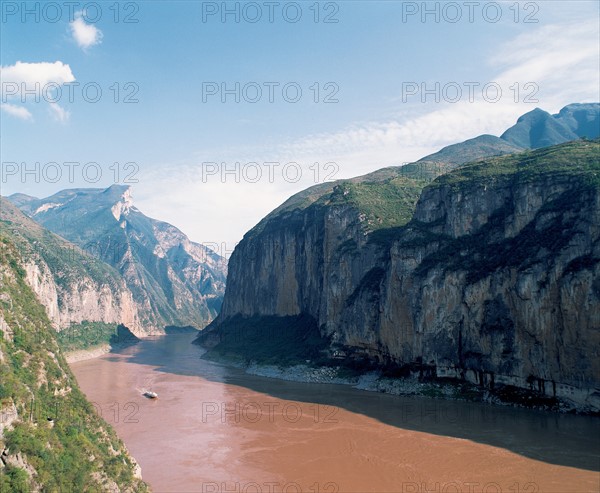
(214,429)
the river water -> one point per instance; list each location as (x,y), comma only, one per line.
(215,429)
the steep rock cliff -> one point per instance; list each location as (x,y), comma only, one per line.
(491,277)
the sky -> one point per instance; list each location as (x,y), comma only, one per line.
(216,112)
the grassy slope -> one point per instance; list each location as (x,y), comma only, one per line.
(33,375)
(388,196)
(578,158)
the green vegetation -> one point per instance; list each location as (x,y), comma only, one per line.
(384,204)
(86,335)
(484,252)
(57,431)
(580,158)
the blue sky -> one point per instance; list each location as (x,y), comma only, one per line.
(363,64)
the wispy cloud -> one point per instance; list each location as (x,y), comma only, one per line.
(561,59)
(85,35)
(17,111)
(59,113)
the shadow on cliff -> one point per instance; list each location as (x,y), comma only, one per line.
(565,440)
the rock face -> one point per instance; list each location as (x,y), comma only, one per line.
(72,286)
(173,280)
(494,278)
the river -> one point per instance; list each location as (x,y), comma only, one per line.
(215,429)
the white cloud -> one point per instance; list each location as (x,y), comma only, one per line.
(60,114)
(33,82)
(27,75)
(85,35)
(18,111)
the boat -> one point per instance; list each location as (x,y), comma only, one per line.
(150,394)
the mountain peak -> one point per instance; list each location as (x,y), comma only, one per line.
(538,128)
(582,118)
(117,189)
(21,199)
(123,200)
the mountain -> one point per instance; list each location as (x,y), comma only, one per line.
(582,119)
(472,150)
(489,274)
(412,176)
(73,286)
(174,281)
(51,438)
(539,128)
(22,199)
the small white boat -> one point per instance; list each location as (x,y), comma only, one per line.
(150,394)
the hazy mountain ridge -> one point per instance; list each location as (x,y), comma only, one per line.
(174,281)
(538,128)
(487,274)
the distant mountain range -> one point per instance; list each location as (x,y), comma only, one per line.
(174,281)
(539,128)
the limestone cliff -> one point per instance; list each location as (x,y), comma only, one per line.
(71,285)
(489,274)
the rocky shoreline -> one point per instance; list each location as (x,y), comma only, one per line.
(375,381)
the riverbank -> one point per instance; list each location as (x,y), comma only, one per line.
(85,354)
(95,351)
(376,381)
